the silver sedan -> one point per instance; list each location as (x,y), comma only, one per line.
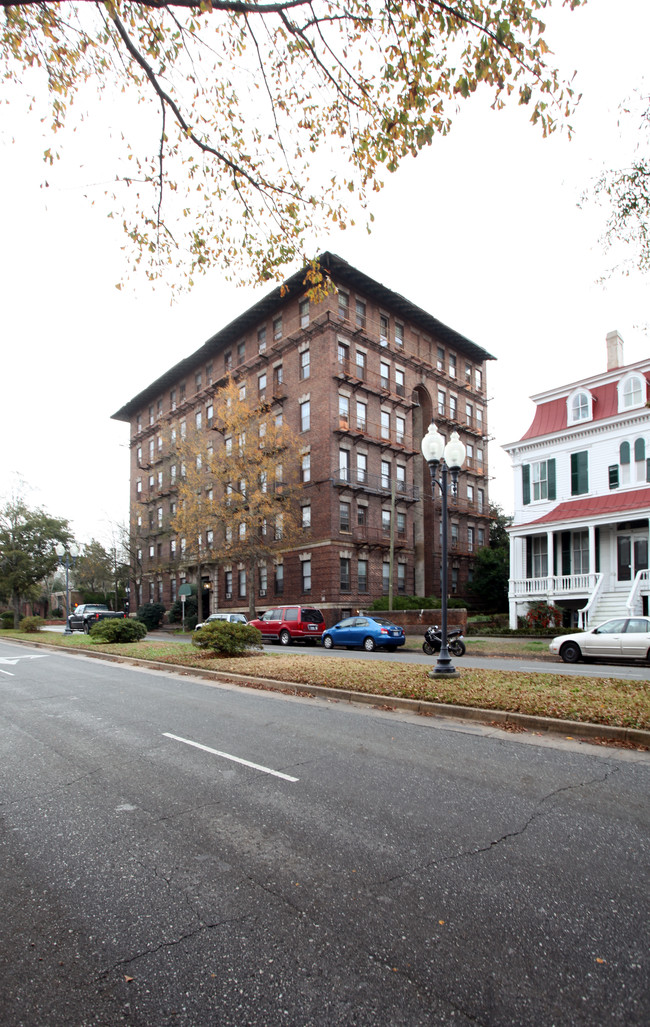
(624,638)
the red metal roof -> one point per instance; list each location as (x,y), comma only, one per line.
(552,416)
(614,503)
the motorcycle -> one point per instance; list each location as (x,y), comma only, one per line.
(433,641)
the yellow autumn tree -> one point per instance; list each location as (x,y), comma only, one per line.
(259,124)
(237,486)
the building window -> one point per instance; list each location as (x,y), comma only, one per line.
(481,500)
(470,495)
(442,403)
(305,415)
(538,481)
(241,352)
(469,414)
(360,313)
(613,476)
(639,460)
(385,424)
(385,474)
(400,429)
(197,381)
(385,522)
(579,473)
(383,330)
(344,464)
(303,310)
(344,570)
(227,580)
(384,375)
(305,467)
(172,549)
(454,535)
(399,382)
(580,552)
(400,523)
(400,478)
(579,407)
(261,383)
(478,379)
(360,360)
(305,568)
(453,407)
(539,561)
(241,583)
(277,328)
(173,590)
(362,515)
(481,537)
(399,334)
(278,579)
(362,575)
(262,580)
(385,577)
(343,354)
(344,516)
(362,468)
(344,411)
(227,360)
(631,392)
(470,539)
(261,340)
(306,515)
(305,363)
(440,359)
(452,366)
(344,306)
(401,578)
(362,411)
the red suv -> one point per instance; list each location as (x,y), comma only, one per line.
(289,624)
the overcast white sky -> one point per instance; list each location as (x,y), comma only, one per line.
(483,230)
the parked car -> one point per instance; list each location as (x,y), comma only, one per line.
(233,618)
(83,617)
(626,638)
(289,624)
(367,633)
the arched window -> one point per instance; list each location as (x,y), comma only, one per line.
(625,453)
(579,407)
(639,450)
(631,392)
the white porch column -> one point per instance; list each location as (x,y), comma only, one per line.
(549,562)
(517,571)
(592,548)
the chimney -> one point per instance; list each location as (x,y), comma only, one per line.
(614,351)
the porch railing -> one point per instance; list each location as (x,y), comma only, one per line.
(555,585)
(641,585)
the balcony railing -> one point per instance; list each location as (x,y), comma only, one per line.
(555,585)
(378,483)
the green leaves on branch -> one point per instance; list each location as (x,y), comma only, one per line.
(254,103)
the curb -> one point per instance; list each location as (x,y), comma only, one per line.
(525,721)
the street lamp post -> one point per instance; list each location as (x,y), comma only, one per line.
(73,552)
(448,457)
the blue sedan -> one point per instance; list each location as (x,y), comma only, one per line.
(367,633)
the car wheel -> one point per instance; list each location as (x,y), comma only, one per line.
(570,652)
(369,644)
(86,629)
(328,643)
(285,637)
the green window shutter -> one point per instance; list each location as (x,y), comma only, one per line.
(525,479)
(639,450)
(529,556)
(625,453)
(579,474)
(550,475)
(613,476)
(566,552)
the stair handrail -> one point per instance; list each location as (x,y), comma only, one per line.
(640,577)
(583,614)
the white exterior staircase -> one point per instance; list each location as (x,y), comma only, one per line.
(608,605)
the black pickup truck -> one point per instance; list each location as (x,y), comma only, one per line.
(83,617)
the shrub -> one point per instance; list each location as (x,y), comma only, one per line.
(191,611)
(57,613)
(118,630)
(227,639)
(30,623)
(542,615)
(151,614)
(7,618)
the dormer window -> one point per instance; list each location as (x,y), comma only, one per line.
(579,407)
(631,392)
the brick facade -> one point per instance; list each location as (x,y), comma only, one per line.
(375,370)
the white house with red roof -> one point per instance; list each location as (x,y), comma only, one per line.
(579,536)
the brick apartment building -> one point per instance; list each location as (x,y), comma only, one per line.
(358,375)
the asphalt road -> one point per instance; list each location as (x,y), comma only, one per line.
(360,867)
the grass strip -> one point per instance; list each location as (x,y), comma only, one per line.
(609,701)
